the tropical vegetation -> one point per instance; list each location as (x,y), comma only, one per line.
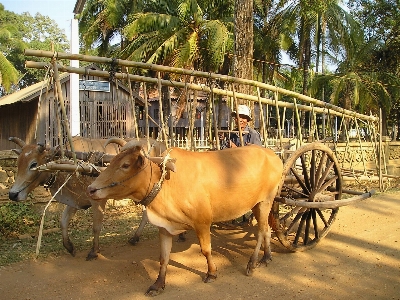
(343,52)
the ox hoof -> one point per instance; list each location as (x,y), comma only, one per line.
(210,278)
(250,268)
(91,256)
(133,240)
(73,252)
(154,291)
(70,248)
(265,260)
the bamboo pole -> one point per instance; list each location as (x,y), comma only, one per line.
(278,119)
(215,121)
(380,152)
(299,133)
(237,115)
(95,59)
(146,111)
(57,112)
(283,120)
(361,146)
(262,117)
(338,112)
(161,113)
(133,104)
(62,106)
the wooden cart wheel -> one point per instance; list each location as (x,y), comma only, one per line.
(311,174)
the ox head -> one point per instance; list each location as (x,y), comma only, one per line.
(131,174)
(29,157)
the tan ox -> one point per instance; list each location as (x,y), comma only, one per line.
(206,187)
(73,194)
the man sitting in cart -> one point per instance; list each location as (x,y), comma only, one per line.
(250,135)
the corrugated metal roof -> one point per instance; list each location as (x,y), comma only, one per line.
(28,93)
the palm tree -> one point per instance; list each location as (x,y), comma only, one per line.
(304,22)
(267,41)
(179,33)
(101,23)
(357,85)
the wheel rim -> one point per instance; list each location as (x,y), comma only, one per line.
(311,174)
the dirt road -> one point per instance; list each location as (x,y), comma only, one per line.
(359,259)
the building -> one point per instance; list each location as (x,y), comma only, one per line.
(34,113)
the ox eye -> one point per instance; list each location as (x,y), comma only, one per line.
(33,165)
(125,166)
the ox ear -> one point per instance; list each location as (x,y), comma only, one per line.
(17,151)
(41,147)
(170,165)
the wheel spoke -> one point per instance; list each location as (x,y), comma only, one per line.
(307,229)
(321,215)
(300,228)
(328,183)
(299,215)
(300,180)
(314,217)
(322,162)
(290,213)
(296,191)
(305,173)
(312,169)
(325,174)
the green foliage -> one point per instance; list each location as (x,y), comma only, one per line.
(19,32)
(17,218)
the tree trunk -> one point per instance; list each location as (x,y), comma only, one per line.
(243,58)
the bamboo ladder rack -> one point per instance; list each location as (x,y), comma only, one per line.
(209,83)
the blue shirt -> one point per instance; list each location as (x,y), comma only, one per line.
(250,137)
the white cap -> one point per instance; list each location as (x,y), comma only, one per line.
(243,110)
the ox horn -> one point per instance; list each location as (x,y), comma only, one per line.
(115,140)
(170,164)
(17,141)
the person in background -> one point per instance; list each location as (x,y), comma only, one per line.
(250,135)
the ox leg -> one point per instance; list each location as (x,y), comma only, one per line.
(98,216)
(135,239)
(204,237)
(261,211)
(166,245)
(66,217)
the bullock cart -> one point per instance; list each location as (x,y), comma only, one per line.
(315,167)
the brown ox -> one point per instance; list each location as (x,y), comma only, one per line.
(206,187)
(73,194)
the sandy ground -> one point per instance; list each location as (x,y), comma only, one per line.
(359,259)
